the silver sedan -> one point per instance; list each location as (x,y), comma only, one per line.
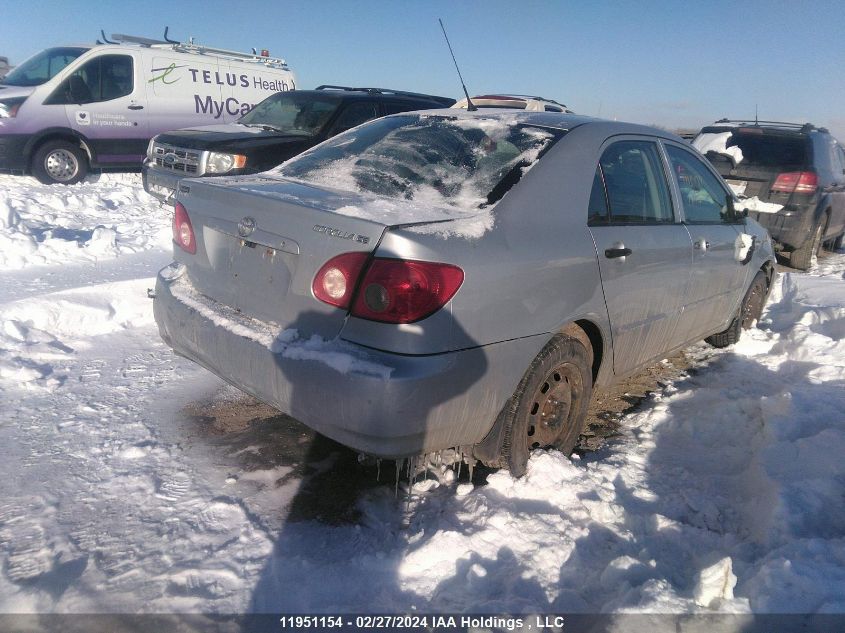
(450,279)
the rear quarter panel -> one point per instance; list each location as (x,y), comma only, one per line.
(531,274)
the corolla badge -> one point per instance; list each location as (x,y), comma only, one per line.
(246,226)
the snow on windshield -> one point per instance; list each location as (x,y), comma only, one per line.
(460,163)
(718,142)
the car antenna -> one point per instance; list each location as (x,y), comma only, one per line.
(470,105)
(756,123)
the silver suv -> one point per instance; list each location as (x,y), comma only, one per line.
(459,279)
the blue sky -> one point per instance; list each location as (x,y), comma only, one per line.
(668,63)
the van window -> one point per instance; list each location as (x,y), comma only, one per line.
(636,184)
(704,199)
(103,78)
(43,66)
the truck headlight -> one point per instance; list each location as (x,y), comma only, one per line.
(220,163)
(9,107)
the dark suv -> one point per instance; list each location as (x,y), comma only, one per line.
(278,128)
(796,172)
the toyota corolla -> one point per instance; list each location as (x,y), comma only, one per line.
(459,279)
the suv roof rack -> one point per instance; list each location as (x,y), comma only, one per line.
(401,93)
(802,127)
(191,47)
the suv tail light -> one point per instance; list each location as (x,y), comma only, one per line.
(796,181)
(390,290)
(183,232)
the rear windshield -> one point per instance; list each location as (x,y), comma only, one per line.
(290,112)
(465,163)
(754,149)
(42,66)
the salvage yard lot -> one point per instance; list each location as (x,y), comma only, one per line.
(134,481)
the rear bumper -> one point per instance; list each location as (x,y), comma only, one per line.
(12,159)
(160,184)
(383,404)
(790,229)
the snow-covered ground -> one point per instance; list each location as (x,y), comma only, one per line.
(724,492)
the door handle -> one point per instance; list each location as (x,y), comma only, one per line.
(136,107)
(613,253)
(702,245)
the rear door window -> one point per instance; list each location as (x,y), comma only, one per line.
(354,114)
(637,191)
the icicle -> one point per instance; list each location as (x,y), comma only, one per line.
(460,462)
(378,470)
(396,487)
(470,464)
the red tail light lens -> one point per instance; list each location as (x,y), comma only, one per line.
(335,281)
(796,181)
(399,291)
(183,232)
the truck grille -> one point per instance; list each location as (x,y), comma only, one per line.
(177,159)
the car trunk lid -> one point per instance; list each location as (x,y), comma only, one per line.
(261,243)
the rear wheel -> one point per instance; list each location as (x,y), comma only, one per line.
(550,404)
(59,162)
(749,312)
(802,258)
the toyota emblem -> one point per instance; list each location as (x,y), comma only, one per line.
(246,226)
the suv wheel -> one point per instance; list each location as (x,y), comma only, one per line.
(802,258)
(59,162)
(550,404)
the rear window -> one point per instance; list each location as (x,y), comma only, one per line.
(464,163)
(754,149)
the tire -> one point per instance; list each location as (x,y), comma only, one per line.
(802,258)
(549,407)
(749,312)
(59,162)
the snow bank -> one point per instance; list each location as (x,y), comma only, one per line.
(89,221)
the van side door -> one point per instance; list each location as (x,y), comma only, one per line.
(644,252)
(718,278)
(105,102)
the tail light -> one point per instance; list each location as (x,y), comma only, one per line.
(390,291)
(797,182)
(183,232)
(335,281)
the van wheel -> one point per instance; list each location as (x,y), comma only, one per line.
(802,258)
(750,310)
(550,404)
(59,162)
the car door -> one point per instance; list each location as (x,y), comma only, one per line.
(104,100)
(644,252)
(718,277)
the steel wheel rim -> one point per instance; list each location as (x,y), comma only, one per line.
(61,165)
(552,405)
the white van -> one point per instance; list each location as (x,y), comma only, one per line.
(71,108)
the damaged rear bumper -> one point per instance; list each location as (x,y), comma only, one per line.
(379,403)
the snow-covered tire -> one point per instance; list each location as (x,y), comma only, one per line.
(749,313)
(802,257)
(550,404)
(59,162)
